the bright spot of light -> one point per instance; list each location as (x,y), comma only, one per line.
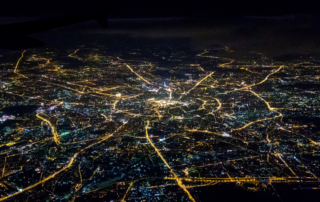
(51,108)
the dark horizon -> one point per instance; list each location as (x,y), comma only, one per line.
(146,9)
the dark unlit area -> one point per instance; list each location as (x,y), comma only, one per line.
(271,36)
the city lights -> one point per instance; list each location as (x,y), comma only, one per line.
(136,125)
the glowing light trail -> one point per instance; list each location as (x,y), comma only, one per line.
(114,104)
(257,83)
(15,69)
(72,54)
(124,197)
(223,65)
(219,105)
(63,169)
(214,133)
(175,176)
(4,166)
(246,179)
(198,83)
(105,117)
(137,74)
(279,155)
(54,131)
(62,86)
(260,120)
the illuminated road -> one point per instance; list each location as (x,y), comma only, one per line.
(279,156)
(249,179)
(259,120)
(170,93)
(72,54)
(124,197)
(198,83)
(114,104)
(120,94)
(249,70)
(4,166)
(15,69)
(265,79)
(160,155)
(137,74)
(204,103)
(53,129)
(219,105)
(214,133)
(64,168)
(225,64)
(105,117)
(80,92)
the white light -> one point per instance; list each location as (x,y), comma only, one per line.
(51,108)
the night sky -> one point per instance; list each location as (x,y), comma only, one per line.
(273,27)
(155,9)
